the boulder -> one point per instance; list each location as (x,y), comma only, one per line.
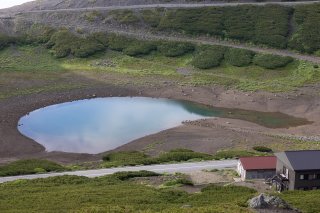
(264,201)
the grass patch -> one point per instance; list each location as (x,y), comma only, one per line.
(41,69)
(305,201)
(23,167)
(133,158)
(180,180)
(230,154)
(110,194)
(28,59)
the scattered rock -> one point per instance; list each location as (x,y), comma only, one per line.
(186,206)
(264,201)
(103,63)
(184,71)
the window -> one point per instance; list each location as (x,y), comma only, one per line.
(304,177)
(285,172)
(318,176)
(312,177)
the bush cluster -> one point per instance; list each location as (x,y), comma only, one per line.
(265,25)
(306,38)
(38,34)
(174,49)
(133,158)
(239,57)
(269,25)
(262,149)
(138,158)
(64,43)
(271,61)
(118,43)
(5,40)
(209,57)
(183,155)
(229,154)
(136,48)
(33,166)
(128,175)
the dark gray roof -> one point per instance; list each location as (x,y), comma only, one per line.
(301,160)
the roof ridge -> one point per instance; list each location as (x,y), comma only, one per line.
(311,150)
(258,156)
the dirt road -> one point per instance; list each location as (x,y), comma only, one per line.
(192,5)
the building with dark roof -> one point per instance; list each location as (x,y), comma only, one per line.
(297,170)
(257,167)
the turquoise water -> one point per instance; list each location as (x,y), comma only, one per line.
(98,125)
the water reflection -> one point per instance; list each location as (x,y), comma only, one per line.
(98,125)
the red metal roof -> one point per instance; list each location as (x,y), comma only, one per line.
(256,163)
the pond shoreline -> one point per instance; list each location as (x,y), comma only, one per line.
(15,146)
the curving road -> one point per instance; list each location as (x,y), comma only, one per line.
(161,168)
(191,5)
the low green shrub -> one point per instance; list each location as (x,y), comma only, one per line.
(118,42)
(174,49)
(181,150)
(124,16)
(101,37)
(239,57)
(133,158)
(128,175)
(38,33)
(229,154)
(64,43)
(137,48)
(86,47)
(178,182)
(271,61)
(305,38)
(33,166)
(126,158)
(209,57)
(151,17)
(262,149)
(5,41)
(179,156)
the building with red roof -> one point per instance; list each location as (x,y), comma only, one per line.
(257,167)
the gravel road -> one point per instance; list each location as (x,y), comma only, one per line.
(162,168)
